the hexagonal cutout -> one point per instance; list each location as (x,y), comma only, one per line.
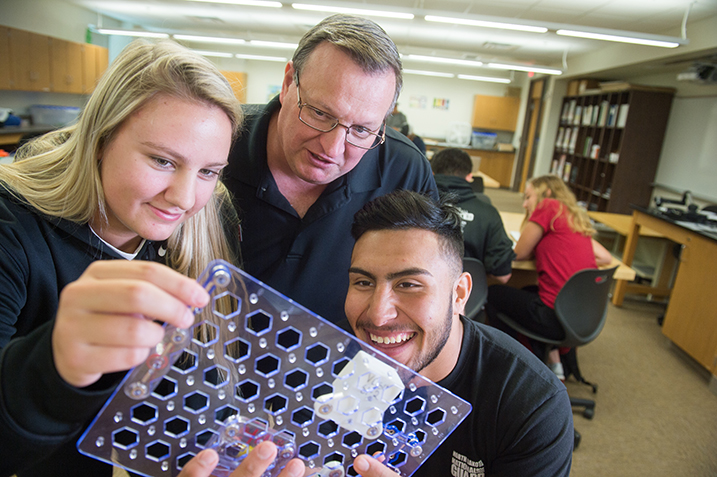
(352,439)
(309,450)
(317,354)
(327,429)
(375,447)
(322,392)
(205,333)
(157,450)
(398,458)
(125,438)
(394,427)
(335,457)
(275,404)
(144,413)
(415,406)
(226,305)
(258,322)
(296,379)
(436,417)
(186,363)
(223,413)
(340,366)
(288,339)
(247,390)
(347,405)
(196,402)
(201,438)
(166,389)
(176,426)
(303,416)
(216,376)
(237,349)
(267,365)
(183,459)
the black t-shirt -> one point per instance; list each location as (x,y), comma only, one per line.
(521,423)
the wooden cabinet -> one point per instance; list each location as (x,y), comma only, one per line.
(94,63)
(5,78)
(66,66)
(33,62)
(29,60)
(608,145)
(237,81)
(495,112)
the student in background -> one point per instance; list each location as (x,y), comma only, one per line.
(89,216)
(483,231)
(417,140)
(397,121)
(406,295)
(557,232)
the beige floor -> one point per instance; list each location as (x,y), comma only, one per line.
(655,414)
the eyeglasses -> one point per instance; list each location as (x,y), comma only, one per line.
(358,136)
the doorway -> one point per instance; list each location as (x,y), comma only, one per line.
(530,138)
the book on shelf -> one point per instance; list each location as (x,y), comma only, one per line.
(561,165)
(573,140)
(566,139)
(566,171)
(604,106)
(595,151)
(596,113)
(586,146)
(612,115)
(554,167)
(622,115)
(577,115)
(564,114)
(559,140)
(574,174)
(613,157)
(587,115)
(571,111)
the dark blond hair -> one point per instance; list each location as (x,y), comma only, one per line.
(553,187)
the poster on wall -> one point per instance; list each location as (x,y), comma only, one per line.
(418,102)
(440,103)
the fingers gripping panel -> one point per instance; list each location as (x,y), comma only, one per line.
(258,366)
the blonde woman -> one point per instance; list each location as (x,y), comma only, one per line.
(89,216)
(557,233)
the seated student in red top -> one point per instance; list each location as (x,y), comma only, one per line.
(557,233)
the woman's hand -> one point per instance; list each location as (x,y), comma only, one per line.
(254,465)
(106,319)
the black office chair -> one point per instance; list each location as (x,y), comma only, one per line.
(479,293)
(581,309)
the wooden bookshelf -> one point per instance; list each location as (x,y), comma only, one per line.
(608,145)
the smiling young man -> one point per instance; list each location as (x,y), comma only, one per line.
(315,154)
(406,293)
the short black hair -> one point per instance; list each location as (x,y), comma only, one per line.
(405,210)
(452,162)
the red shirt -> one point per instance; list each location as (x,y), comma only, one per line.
(561,252)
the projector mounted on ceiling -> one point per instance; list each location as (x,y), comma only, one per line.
(704,73)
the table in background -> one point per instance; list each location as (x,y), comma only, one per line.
(665,261)
(691,316)
(524,272)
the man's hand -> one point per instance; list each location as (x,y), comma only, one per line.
(105,320)
(254,465)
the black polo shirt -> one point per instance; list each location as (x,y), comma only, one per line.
(307,259)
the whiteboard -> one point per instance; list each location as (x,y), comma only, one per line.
(689,153)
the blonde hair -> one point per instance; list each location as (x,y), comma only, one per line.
(58,173)
(553,187)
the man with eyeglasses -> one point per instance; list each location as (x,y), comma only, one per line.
(310,158)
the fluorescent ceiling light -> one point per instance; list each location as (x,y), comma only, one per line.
(354,11)
(217,54)
(274,44)
(210,39)
(144,34)
(487,24)
(260,57)
(429,73)
(619,38)
(534,69)
(248,3)
(452,61)
(488,79)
